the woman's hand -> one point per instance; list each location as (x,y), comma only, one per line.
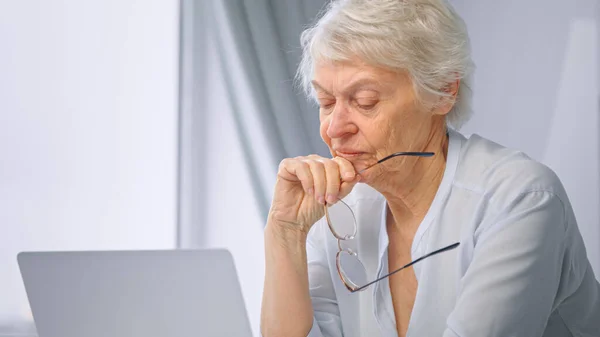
(304,185)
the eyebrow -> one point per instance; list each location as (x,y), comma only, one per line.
(353,87)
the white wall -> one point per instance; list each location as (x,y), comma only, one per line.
(537,89)
(88,130)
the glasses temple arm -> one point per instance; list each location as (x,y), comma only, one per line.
(452,246)
(397,154)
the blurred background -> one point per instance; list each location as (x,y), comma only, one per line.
(159,124)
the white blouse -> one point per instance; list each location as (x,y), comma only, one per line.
(521,268)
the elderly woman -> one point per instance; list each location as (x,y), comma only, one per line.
(497,247)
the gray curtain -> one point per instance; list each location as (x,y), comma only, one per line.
(257,42)
(194,35)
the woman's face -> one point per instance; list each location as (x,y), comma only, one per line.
(367,113)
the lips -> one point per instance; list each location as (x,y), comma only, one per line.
(348,153)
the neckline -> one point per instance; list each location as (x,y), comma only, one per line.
(454,146)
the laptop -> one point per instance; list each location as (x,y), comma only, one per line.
(174,293)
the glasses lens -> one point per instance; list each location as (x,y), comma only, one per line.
(351,270)
(341,220)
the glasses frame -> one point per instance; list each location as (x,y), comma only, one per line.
(351,286)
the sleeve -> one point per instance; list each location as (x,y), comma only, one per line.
(509,289)
(327,321)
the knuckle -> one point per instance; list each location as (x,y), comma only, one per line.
(307,175)
(317,172)
(317,163)
(286,161)
(283,164)
(302,163)
(329,163)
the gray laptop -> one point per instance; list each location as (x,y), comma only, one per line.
(175,293)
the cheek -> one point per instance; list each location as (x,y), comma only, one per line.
(380,134)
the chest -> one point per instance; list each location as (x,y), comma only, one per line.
(403,284)
(409,295)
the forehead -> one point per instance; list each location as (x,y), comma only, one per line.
(339,75)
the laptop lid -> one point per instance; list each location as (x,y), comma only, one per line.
(134,293)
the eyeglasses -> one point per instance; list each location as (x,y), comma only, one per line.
(342,223)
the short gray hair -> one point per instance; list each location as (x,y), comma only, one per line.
(426,38)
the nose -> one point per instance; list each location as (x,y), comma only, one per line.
(340,123)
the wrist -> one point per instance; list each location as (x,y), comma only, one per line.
(285,232)
(279,221)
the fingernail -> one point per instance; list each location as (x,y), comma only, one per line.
(321,200)
(310,191)
(331,199)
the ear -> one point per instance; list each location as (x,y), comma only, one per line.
(447,102)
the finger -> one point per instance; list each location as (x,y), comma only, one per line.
(287,169)
(297,170)
(347,171)
(346,187)
(332,171)
(317,170)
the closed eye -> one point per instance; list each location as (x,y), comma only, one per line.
(365,101)
(326,104)
(366,105)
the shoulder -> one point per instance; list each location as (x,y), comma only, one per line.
(504,175)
